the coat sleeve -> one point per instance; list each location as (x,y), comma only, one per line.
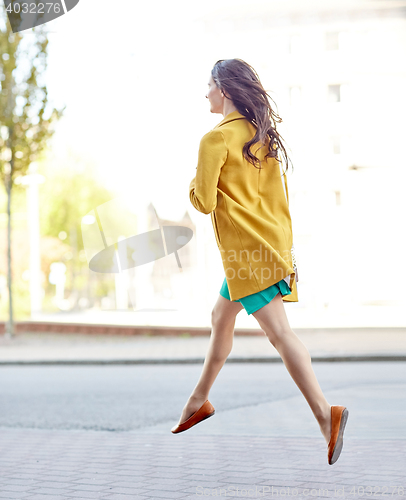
(212,156)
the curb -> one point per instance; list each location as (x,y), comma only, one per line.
(172,331)
(165,361)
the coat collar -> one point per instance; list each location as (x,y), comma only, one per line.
(234,115)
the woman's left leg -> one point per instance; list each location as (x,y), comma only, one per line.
(296,357)
(221,342)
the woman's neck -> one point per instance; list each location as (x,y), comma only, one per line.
(228,108)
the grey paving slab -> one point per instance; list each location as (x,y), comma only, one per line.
(292,417)
(282,462)
(272,448)
(82,348)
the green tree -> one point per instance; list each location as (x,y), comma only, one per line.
(72,189)
(26,116)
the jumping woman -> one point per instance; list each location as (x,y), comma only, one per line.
(238,182)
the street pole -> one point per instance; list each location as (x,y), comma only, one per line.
(32,181)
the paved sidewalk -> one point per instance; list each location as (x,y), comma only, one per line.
(323,345)
(268,450)
(61,465)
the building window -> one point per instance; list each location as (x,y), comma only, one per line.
(295,95)
(254,23)
(334,93)
(223,26)
(335,143)
(295,42)
(345,93)
(331,40)
(282,44)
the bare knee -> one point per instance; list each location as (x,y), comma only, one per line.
(275,333)
(274,322)
(224,313)
(278,336)
(221,320)
(222,335)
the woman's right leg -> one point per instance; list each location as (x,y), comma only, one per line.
(221,342)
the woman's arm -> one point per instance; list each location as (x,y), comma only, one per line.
(212,156)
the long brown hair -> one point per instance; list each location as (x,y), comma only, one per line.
(241,82)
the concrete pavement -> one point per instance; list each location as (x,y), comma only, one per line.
(268,450)
(61,465)
(324,345)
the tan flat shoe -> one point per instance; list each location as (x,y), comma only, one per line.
(205,411)
(339,416)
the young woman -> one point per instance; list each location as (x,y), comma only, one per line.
(238,182)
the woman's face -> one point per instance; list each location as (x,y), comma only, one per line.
(215,96)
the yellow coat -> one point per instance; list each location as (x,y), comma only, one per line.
(248,208)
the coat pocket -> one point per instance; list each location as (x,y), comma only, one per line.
(216,231)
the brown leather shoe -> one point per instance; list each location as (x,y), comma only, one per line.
(205,411)
(339,416)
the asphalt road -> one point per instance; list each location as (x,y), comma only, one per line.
(249,398)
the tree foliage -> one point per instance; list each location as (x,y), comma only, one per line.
(26,116)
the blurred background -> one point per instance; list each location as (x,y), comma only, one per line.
(132,80)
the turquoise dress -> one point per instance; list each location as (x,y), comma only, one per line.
(252,303)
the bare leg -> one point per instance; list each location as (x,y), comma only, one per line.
(272,319)
(221,342)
